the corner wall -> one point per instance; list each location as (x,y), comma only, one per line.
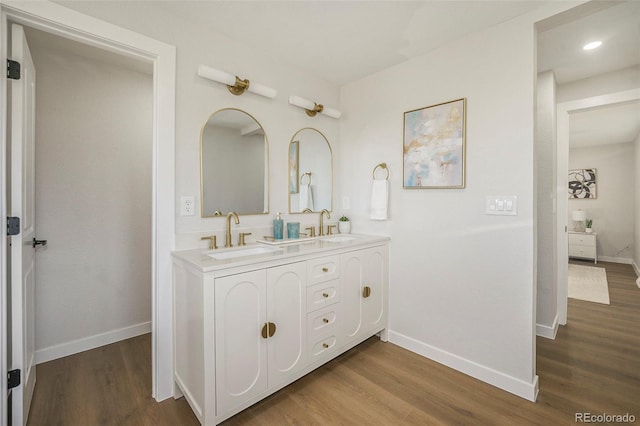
(636,221)
(546,178)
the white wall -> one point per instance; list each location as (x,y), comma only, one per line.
(462,282)
(636,220)
(93,199)
(546,148)
(197,99)
(613,209)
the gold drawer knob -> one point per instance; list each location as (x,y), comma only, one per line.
(366,292)
(325,345)
(325,295)
(325,269)
(325,320)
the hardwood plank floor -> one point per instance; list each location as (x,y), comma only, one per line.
(593,366)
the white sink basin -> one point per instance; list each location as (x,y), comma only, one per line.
(242,252)
(339,239)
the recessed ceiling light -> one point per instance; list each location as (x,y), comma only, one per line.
(592,45)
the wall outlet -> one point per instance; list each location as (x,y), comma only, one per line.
(187,205)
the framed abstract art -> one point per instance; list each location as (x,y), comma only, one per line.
(434,146)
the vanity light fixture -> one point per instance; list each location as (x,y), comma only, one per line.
(592,45)
(235,84)
(313,108)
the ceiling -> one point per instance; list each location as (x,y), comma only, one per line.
(343,41)
(618,27)
(560,50)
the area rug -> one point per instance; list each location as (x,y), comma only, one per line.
(588,283)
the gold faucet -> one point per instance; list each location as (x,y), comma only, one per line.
(227,239)
(322,220)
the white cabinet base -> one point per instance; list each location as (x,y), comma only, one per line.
(227,357)
(583,245)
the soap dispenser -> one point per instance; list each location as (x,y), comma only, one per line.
(278,225)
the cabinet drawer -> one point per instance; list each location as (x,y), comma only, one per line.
(323,294)
(582,251)
(323,346)
(323,269)
(583,240)
(322,322)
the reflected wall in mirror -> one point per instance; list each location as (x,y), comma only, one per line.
(234,165)
(310,172)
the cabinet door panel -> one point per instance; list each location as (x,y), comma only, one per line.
(352,276)
(374,277)
(241,352)
(286,308)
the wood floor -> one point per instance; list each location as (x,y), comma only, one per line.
(593,366)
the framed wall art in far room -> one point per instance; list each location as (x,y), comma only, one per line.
(434,146)
(583,184)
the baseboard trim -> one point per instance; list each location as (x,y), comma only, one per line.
(637,269)
(488,375)
(91,342)
(612,259)
(546,331)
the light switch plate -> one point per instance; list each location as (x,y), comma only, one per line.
(503,205)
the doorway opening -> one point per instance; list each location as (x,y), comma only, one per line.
(55,19)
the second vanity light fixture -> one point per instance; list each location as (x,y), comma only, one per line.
(235,84)
(313,108)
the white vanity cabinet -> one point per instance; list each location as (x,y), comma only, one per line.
(243,330)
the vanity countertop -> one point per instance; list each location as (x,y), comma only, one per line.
(258,253)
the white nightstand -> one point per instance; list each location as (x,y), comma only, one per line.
(583,245)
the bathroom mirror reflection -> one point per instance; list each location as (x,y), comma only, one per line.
(310,172)
(234,165)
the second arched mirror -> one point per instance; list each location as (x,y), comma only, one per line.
(310,172)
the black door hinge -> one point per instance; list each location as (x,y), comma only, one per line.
(13,225)
(13,69)
(13,379)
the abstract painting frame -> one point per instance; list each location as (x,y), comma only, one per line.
(434,146)
(294,165)
(583,184)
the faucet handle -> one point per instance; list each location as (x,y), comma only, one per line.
(330,229)
(312,231)
(212,242)
(241,238)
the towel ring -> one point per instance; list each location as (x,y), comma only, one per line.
(308,174)
(382,166)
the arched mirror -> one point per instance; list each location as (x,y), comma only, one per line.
(310,172)
(234,165)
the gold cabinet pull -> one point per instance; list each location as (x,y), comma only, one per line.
(325,295)
(325,269)
(324,345)
(272,329)
(366,292)
(264,331)
(325,320)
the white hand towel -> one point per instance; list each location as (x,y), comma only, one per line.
(379,199)
(306,197)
